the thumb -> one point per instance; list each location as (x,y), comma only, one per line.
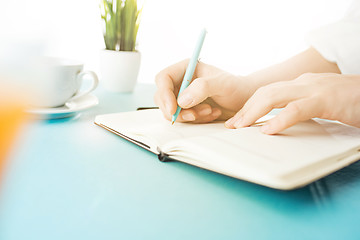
(199,90)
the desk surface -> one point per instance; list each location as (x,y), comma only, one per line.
(69,179)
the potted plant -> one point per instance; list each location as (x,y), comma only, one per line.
(120,61)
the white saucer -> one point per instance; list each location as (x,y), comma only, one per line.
(72,108)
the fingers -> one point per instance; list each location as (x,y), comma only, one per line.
(216,83)
(199,90)
(201,113)
(166,101)
(263,101)
(171,76)
(293,113)
(168,81)
(298,103)
(192,97)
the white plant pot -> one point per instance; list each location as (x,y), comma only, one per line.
(119,70)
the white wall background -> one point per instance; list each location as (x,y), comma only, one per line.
(243,35)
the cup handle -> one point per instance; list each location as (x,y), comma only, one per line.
(80,78)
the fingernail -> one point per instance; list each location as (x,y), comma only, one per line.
(266,129)
(188,117)
(216,112)
(185,100)
(238,123)
(229,122)
(205,112)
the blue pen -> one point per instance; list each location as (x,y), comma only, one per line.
(190,70)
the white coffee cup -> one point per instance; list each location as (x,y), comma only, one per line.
(59,80)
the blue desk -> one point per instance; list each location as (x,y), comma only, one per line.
(70,179)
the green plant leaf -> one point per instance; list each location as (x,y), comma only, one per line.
(121,22)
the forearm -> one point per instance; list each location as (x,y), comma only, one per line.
(309,61)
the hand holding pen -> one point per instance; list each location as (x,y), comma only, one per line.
(190,70)
(206,99)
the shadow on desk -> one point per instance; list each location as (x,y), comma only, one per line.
(318,195)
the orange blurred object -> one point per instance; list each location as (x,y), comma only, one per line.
(12,115)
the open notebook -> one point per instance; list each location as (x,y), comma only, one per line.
(296,157)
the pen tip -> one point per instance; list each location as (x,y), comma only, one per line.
(172,123)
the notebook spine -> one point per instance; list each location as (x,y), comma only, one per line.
(163,157)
